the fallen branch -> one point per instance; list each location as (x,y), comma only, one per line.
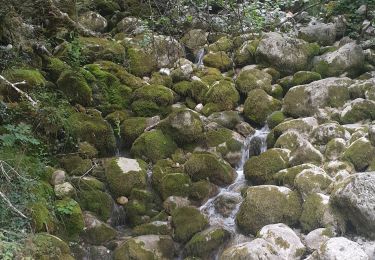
(22,93)
(2,195)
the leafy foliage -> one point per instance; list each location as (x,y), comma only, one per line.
(18,135)
(66,208)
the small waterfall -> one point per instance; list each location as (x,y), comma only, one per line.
(221,210)
(199,58)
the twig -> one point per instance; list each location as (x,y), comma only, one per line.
(2,195)
(14,86)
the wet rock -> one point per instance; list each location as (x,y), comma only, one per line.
(145,247)
(225,204)
(267,204)
(96,232)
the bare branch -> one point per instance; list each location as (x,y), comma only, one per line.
(2,195)
(22,93)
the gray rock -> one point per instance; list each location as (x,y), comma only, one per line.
(93,21)
(341,248)
(324,34)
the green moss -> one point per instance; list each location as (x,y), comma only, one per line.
(140,63)
(204,243)
(160,170)
(175,184)
(106,7)
(54,67)
(153,228)
(219,60)
(265,205)
(75,165)
(95,48)
(161,79)
(305,77)
(259,105)
(322,67)
(187,221)
(223,44)
(201,190)
(75,87)
(131,249)
(198,91)
(202,166)
(312,213)
(122,183)
(223,94)
(360,153)
(96,201)
(360,109)
(153,146)
(120,72)
(275,118)
(277,91)
(245,54)
(210,108)
(260,169)
(33,78)
(131,129)
(286,177)
(71,219)
(42,219)
(46,246)
(251,79)
(86,150)
(182,88)
(94,130)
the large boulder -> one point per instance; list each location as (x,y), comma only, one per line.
(283,238)
(312,180)
(260,169)
(124,174)
(153,146)
(223,95)
(259,105)
(348,59)
(286,54)
(341,248)
(323,34)
(259,248)
(219,60)
(328,131)
(305,100)
(360,153)
(251,79)
(202,166)
(357,110)
(268,204)
(187,221)
(96,232)
(146,247)
(354,198)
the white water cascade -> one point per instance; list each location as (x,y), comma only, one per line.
(213,209)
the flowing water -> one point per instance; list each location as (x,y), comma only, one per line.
(221,210)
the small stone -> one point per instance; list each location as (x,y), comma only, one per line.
(122,200)
(58,177)
(64,190)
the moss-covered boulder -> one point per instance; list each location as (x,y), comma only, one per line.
(187,221)
(41,218)
(245,54)
(348,59)
(175,184)
(304,77)
(152,100)
(148,247)
(227,119)
(70,215)
(184,126)
(286,177)
(131,129)
(260,169)
(284,239)
(153,228)
(124,174)
(335,148)
(251,79)
(223,94)
(46,246)
(94,130)
(259,105)
(153,146)
(322,33)
(74,85)
(54,67)
(357,110)
(219,60)
(267,204)
(305,100)
(201,191)
(140,63)
(328,131)
(316,212)
(360,153)
(223,44)
(194,39)
(286,54)
(93,21)
(205,242)
(256,249)
(202,166)
(354,201)
(75,165)
(32,78)
(313,180)
(96,232)
(95,48)
(275,118)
